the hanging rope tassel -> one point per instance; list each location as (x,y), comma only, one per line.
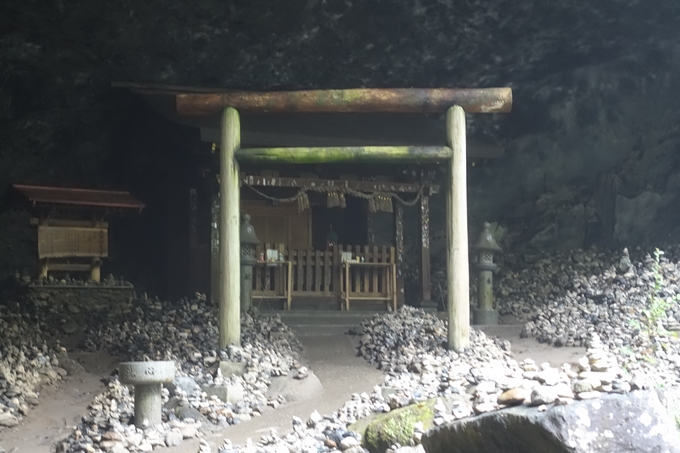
(332,200)
(303,201)
(335,197)
(389,205)
(371,205)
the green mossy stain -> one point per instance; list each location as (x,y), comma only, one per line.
(397,426)
(300,155)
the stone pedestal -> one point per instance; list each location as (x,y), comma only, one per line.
(485,313)
(249,242)
(147,379)
(483,317)
(228,393)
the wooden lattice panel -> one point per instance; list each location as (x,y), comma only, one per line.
(63,242)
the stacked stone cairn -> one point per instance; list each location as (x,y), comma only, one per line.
(632,306)
(31,358)
(213,388)
(27,364)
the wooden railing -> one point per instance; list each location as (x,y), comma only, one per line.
(320,273)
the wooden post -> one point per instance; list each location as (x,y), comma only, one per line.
(215,247)
(289,283)
(370,227)
(399,250)
(43,268)
(425,284)
(96,270)
(458,279)
(393,282)
(230,266)
(42,262)
(338,275)
(195,270)
(347,286)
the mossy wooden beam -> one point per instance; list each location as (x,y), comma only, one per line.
(392,154)
(363,100)
(364,186)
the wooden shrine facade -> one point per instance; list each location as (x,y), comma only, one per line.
(356,267)
(72,232)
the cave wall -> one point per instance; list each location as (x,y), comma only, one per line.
(594,86)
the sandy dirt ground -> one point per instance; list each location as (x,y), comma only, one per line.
(60,408)
(329,352)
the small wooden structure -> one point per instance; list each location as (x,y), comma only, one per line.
(72,231)
(317,273)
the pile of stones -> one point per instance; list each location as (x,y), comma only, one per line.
(594,299)
(68,303)
(410,347)
(108,426)
(30,355)
(110,281)
(318,434)
(186,332)
(213,388)
(631,304)
(26,364)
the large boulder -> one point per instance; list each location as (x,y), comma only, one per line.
(634,422)
(397,426)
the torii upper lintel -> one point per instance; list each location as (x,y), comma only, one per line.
(361,100)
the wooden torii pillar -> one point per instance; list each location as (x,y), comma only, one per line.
(454,101)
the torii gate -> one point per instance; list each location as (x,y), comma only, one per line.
(454,101)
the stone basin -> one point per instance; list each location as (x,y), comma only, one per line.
(147,379)
(140,373)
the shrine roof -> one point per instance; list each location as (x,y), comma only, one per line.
(29,196)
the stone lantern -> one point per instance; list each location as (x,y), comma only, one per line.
(486,248)
(249,242)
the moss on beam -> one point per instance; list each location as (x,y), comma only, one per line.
(361,100)
(366,154)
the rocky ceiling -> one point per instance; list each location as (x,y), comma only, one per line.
(329,43)
(595,84)
(527,44)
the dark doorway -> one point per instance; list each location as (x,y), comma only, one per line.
(350,223)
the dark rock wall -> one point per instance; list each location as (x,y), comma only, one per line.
(594,85)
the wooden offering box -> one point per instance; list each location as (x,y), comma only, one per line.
(72,233)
